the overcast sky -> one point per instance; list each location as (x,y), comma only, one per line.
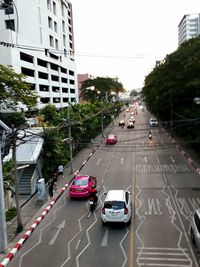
(123,39)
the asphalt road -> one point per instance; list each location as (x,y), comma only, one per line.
(165,193)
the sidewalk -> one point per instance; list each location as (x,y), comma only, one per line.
(32,210)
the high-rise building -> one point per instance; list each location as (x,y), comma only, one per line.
(36,39)
(189,27)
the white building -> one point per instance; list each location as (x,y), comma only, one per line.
(36,39)
(188,28)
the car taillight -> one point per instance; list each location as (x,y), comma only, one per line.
(103,210)
(126,211)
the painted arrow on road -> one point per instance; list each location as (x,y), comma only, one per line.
(60,226)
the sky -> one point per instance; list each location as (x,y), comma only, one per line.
(124,38)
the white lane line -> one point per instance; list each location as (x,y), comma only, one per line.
(60,227)
(78,243)
(172,159)
(105,239)
(88,238)
(122,161)
(98,161)
(123,251)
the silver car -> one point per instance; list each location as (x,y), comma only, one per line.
(195,229)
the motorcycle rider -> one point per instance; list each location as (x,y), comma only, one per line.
(150,134)
(93,193)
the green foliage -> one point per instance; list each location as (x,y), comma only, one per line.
(8,172)
(170,89)
(51,116)
(17,119)
(100,88)
(13,88)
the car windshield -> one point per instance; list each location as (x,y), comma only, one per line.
(153,120)
(81,182)
(117,205)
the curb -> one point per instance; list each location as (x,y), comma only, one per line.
(27,234)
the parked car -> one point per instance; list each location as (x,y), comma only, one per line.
(121,122)
(117,207)
(153,122)
(81,185)
(111,139)
(130,125)
(195,229)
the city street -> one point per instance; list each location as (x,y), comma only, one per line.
(165,193)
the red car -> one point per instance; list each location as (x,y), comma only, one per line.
(81,185)
(111,139)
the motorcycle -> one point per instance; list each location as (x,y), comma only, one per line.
(93,203)
(150,136)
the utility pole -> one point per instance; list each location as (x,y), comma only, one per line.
(19,219)
(102,121)
(3,230)
(70,140)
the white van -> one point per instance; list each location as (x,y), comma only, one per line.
(117,207)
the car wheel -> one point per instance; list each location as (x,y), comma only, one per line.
(192,236)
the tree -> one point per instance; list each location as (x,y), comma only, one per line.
(100,88)
(14,89)
(171,87)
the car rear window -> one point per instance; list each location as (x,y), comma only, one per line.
(117,205)
(80,182)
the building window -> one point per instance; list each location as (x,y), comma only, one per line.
(71,72)
(9,10)
(42,63)
(65,99)
(71,81)
(44,88)
(64,40)
(54,66)
(55,89)
(49,4)
(27,72)
(54,8)
(10,24)
(54,78)
(56,44)
(63,26)
(55,26)
(51,41)
(26,57)
(63,70)
(50,22)
(62,8)
(43,75)
(72,91)
(65,90)
(56,100)
(63,80)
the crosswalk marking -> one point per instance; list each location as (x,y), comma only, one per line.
(162,168)
(150,256)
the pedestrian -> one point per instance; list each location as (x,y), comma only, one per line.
(51,187)
(55,180)
(60,170)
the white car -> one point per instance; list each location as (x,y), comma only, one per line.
(117,207)
(153,122)
(195,229)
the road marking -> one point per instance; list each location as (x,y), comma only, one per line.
(154,207)
(173,257)
(105,239)
(60,227)
(122,161)
(78,243)
(172,159)
(98,161)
